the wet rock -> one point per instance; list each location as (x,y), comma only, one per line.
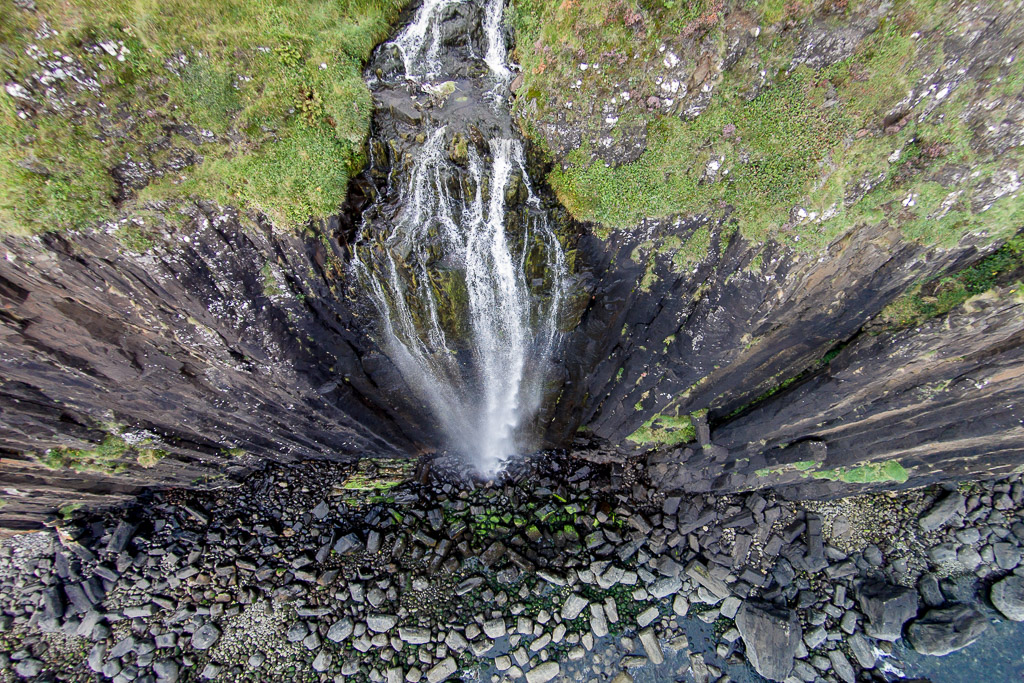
(1008,597)
(945,630)
(942,511)
(887,608)
(771,636)
(543,673)
(442,670)
(649,641)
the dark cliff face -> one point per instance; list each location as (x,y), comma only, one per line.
(655,358)
(217,348)
(737,323)
(189,356)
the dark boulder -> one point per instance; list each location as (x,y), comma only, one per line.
(946,630)
(1008,597)
(887,608)
(771,636)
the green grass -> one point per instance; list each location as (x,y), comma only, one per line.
(277,84)
(939,296)
(106,458)
(805,140)
(149,457)
(871,473)
(67,511)
(665,430)
(890,471)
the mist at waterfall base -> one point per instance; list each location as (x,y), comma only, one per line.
(483,383)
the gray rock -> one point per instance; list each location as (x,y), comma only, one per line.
(598,621)
(28,668)
(931,593)
(340,630)
(413,635)
(166,670)
(1008,597)
(652,647)
(730,606)
(96,656)
(495,628)
(841,665)
(205,636)
(456,641)
(321,510)
(887,608)
(815,637)
(947,629)
(543,673)
(1007,555)
(943,511)
(771,636)
(647,616)
(698,571)
(296,632)
(441,670)
(573,606)
(680,605)
(862,650)
(969,558)
(662,588)
(381,623)
(322,661)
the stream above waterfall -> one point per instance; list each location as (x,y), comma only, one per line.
(458,252)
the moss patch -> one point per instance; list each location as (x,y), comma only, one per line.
(941,295)
(665,430)
(871,473)
(106,458)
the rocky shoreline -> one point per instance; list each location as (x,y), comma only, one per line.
(564,570)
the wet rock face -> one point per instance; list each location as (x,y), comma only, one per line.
(223,345)
(663,342)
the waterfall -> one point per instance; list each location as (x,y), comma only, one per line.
(471,332)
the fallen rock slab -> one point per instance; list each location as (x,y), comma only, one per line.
(946,629)
(887,608)
(1008,597)
(943,511)
(771,636)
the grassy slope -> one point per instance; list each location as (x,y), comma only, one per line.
(792,145)
(277,83)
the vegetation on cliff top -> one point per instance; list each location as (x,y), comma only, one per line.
(803,153)
(259,103)
(941,295)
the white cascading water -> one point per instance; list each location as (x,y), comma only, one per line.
(419,42)
(486,398)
